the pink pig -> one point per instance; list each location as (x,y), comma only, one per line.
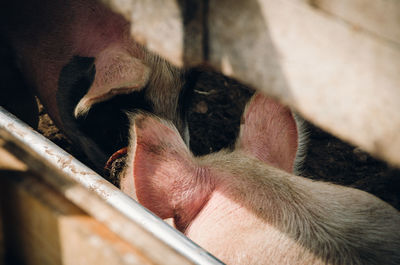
(76,54)
(245,206)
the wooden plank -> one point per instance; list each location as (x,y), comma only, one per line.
(2,261)
(42,227)
(380,17)
(341,78)
(175,31)
(8,161)
(123,7)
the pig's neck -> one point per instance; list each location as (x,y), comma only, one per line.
(271,194)
(189,206)
(165,79)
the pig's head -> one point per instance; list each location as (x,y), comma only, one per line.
(95,93)
(165,177)
(166,182)
(127,68)
(81,60)
(80,57)
(245,207)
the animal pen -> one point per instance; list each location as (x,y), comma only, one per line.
(336,62)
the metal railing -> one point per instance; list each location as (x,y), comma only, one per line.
(60,169)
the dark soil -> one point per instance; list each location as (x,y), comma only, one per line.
(214,118)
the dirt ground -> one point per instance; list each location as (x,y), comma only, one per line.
(214,117)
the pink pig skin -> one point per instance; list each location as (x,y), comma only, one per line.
(78,53)
(245,208)
(45,35)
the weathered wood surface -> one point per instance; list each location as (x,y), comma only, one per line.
(343,79)
(7,162)
(176,29)
(380,17)
(2,261)
(337,66)
(173,29)
(43,225)
(123,7)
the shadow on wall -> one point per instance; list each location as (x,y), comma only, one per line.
(229,29)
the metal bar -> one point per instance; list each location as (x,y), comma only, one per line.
(36,146)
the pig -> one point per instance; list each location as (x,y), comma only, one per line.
(80,59)
(246,207)
(10,78)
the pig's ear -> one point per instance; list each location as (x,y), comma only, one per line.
(160,162)
(268,132)
(117,72)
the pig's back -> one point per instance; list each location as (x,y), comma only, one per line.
(236,235)
(287,219)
